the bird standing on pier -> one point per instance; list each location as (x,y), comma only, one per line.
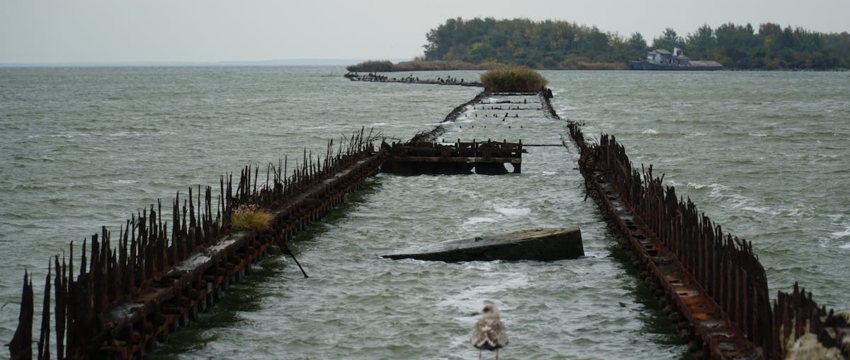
(489,332)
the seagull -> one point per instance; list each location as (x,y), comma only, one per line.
(489,332)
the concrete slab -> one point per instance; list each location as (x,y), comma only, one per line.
(546,244)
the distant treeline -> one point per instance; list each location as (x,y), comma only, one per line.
(564,45)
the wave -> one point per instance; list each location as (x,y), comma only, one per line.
(507,211)
(714,187)
(68,135)
(474,297)
(730,199)
(478,220)
(842,234)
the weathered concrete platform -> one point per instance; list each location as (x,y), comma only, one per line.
(538,244)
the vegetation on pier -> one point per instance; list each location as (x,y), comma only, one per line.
(564,45)
(372,66)
(248,217)
(513,79)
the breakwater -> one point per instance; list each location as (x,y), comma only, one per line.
(410,79)
(131,292)
(710,284)
(649,343)
(486,157)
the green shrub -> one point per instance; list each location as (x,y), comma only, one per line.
(513,79)
(249,217)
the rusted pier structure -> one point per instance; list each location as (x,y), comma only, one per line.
(433,134)
(128,293)
(132,291)
(460,109)
(418,158)
(374,77)
(710,284)
(686,262)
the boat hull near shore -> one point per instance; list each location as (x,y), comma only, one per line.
(660,59)
(693,66)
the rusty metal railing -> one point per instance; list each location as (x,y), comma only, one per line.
(157,276)
(724,267)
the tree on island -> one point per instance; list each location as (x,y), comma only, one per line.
(564,45)
(547,44)
(669,40)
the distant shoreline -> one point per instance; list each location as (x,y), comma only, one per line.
(374,66)
(281,62)
(441,65)
(405,66)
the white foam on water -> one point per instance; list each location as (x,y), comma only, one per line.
(759,209)
(649,132)
(473,298)
(715,190)
(841,234)
(478,220)
(845,246)
(68,135)
(758,134)
(731,200)
(713,187)
(509,211)
(740,202)
(125,134)
(479,265)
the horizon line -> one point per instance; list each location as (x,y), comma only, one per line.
(129,63)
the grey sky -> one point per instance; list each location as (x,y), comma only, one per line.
(49,31)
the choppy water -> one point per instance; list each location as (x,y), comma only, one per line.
(763,154)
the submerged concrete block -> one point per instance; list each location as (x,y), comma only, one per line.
(539,244)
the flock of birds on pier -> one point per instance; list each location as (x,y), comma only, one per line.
(375,77)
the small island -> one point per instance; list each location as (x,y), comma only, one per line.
(483,44)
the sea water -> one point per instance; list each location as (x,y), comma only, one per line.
(765,155)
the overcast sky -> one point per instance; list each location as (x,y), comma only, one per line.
(57,31)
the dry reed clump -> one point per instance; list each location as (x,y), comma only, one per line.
(250,217)
(513,79)
(372,66)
